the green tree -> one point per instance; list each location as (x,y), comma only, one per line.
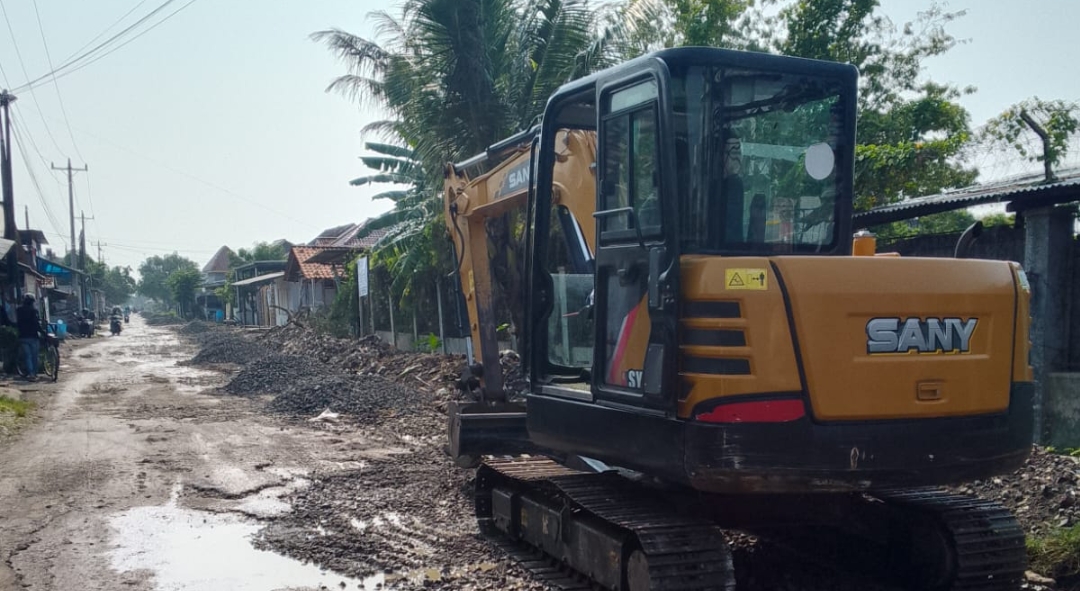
(998,219)
(262,251)
(154,272)
(456,76)
(182,284)
(116,283)
(911,131)
(1058,119)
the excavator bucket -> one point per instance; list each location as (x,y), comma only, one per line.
(486,428)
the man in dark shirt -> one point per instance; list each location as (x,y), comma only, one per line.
(28,322)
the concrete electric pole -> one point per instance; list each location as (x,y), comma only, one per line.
(71,200)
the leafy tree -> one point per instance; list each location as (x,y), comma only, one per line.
(707,22)
(116,282)
(182,284)
(457,76)
(911,132)
(999,219)
(949,222)
(1013,128)
(154,272)
(262,251)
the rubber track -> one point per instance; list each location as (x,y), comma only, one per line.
(989,542)
(683,553)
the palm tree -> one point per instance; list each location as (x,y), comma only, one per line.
(457,76)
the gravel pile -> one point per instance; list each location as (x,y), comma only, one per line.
(226,347)
(195,327)
(274,374)
(361,396)
(1044,494)
(154,319)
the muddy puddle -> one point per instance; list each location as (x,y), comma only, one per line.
(201,551)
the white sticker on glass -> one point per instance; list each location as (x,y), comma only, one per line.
(819,161)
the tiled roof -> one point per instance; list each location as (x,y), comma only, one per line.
(350,240)
(331,235)
(299,268)
(220,262)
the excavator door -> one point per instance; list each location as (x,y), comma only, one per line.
(636,264)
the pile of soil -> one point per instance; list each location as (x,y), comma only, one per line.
(273,374)
(226,347)
(1044,494)
(195,327)
(155,319)
(364,397)
(369,355)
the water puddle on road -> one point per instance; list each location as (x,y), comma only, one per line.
(200,551)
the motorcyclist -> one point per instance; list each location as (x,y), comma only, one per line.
(114,320)
(86,323)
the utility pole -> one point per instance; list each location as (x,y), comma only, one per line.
(11,230)
(100,257)
(26,212)
(71,199)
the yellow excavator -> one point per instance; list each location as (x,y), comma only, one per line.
(709,346)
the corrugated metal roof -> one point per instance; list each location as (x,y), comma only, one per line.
(259,279)
(1016,189)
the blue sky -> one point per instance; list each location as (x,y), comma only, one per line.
(214,128)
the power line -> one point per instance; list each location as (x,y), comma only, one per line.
(34,180)
(22,64)
(69,64)
(118,47)
(212,185)
(63,109)
(105,30)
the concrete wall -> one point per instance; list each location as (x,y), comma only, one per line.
(1062,408)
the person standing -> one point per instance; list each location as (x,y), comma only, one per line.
(28,322)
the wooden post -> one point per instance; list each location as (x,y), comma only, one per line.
(393,330)
(438,301)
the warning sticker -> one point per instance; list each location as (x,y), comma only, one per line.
(746,279)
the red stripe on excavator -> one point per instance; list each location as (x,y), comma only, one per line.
(757,411)
(615,376)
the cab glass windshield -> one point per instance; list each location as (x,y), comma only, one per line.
(758,157)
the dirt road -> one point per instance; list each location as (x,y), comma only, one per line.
(133,477)
(140,472)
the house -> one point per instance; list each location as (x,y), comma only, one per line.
(262,294)
(215,274)
(345,236)
(33,242)
(316,283)
(61,286)
(216,270)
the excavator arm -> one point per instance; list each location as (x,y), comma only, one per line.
(485,187)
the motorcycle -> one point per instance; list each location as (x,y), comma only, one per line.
(127,318)
(84,325)
(115,325)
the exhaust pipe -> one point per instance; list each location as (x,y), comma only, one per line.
(967,239)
